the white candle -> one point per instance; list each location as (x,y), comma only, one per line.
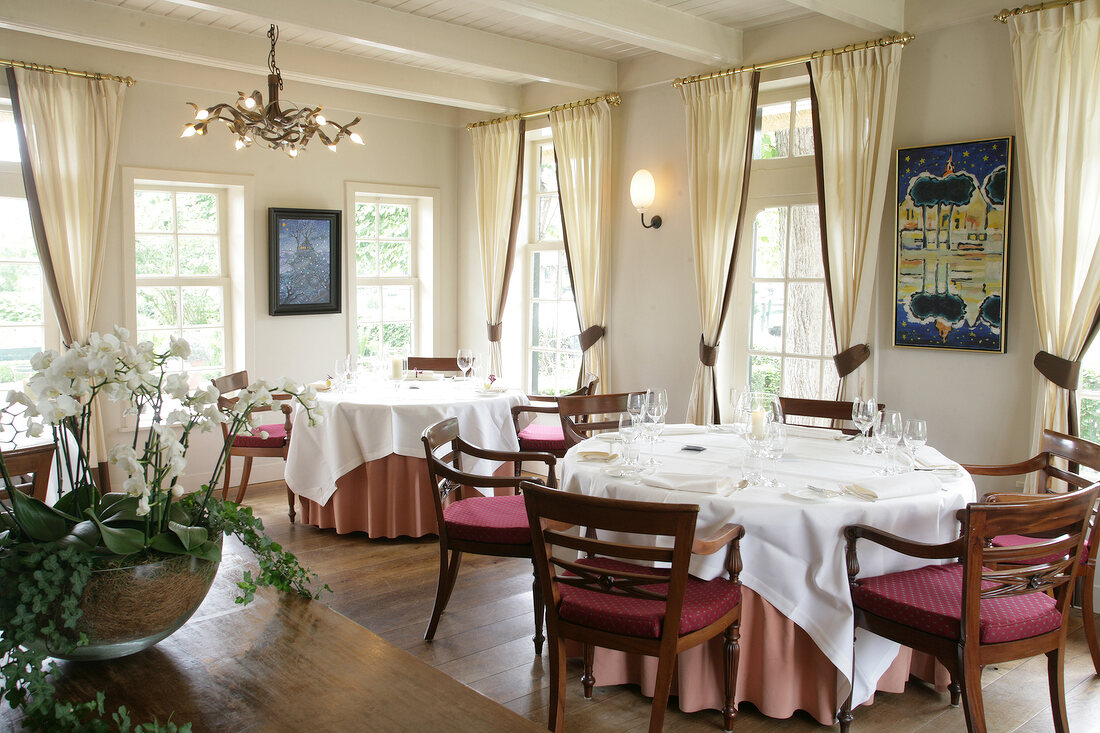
(397,370)
(757,427)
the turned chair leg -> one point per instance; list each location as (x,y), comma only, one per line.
(245,473)
(731,656)
(290,504)
(540,612)
(588,680)
(448,573)
(955,690)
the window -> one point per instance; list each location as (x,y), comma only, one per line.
(777,129)
(182,272)
(553,350)
(386,284)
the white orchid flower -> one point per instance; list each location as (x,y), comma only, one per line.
(41,361)
(179,347)
(134,486)
(176,386)
(143,506)
(34,429)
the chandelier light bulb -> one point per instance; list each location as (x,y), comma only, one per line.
(320,119)
(188,130)
(249,103)
(331,146)
(202,114)
(239,143)
(292,151)
(355,138)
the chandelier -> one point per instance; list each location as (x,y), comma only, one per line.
(282,126)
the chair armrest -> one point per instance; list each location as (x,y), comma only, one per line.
(542,409)
(1036,463)
(711,545)
(1013,498)
(940,551)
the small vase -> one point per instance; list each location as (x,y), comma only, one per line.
(128,609)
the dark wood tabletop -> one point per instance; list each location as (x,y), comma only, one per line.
(281,664)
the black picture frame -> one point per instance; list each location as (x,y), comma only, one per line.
(303,261)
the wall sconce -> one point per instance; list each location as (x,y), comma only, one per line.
(642,192)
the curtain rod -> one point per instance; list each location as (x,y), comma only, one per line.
(128,81)
(613,99)
(1004,15)
(903,39)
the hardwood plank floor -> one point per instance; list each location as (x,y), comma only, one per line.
(484,641)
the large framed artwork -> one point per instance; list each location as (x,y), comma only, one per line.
(304,267)
(951,248)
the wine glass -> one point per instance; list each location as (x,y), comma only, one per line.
(864,412)
(654,410)
(915,435)
(628,436)
(774,446)
(465,360)
(888,433)
(635,403)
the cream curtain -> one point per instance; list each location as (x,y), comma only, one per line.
(720,115)
(498,188)
(1056,69)
(582,147)
(857,97)
(72,132)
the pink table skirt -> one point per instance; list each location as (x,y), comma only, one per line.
(780,669)
(390,497)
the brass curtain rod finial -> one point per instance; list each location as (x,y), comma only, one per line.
(1004,15)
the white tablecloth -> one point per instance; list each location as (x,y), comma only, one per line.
(793,550)
(373,422)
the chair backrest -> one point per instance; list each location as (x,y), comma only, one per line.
(433,364)
(579,414)
(1057,524)
(34,461)
(818,409)
(1072,449)
(588,386)
(551,513)
(231,382)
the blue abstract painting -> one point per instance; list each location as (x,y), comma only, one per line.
(304,261)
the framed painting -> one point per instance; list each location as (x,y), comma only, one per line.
(951,248)
(304,267)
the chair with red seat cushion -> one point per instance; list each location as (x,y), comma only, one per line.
(1056,450)
(990,606)
(548,438)
(265,441)
(471,522)
(614,597)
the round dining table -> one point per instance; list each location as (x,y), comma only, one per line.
(362,469)
(797,628)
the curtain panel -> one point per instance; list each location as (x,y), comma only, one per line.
(720,114)
(856,98)
(582,148)
(498,193)
(1056,65)
(70,132)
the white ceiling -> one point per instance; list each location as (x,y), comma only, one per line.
(471,54)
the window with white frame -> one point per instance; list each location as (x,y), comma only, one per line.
(386,284)
(553,353)
(181,268)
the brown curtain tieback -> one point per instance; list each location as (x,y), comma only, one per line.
(494,330)
(851,359)
(589,336)
(1062,372)
(707,354)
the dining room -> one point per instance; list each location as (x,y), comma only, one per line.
(700,203)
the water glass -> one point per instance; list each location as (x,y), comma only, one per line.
(635,403)
(916,434)
(864,413)
(888,432)
(628,436)
(465,360)
(774,447)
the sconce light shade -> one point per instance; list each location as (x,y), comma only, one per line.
(642,190)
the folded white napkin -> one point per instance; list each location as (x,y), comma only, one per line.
(427,376)
(597,455)
(683,429)
(893,487)
(805,431)
(932,460)
(688,482)
(497,386)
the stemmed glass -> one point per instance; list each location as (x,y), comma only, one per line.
(864,412)
(915,436)
(653,419)
(758,411)
(465,360)
(628,435)
(888,432)
(774,446)
(635,403)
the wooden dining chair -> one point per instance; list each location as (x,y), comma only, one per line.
(471,522)
(29,470)
(613,597)
(993,604)
(433,364)
(832,410)
(253,444)
(541,437)
(1057,453)
(583,415)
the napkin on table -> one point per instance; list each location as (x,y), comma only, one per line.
(932,460)
(688,482)
(894,487)
(597,455)
(683,429)
(805,431)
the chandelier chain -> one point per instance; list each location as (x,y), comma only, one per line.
(273,34)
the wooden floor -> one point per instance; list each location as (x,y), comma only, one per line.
(484,641)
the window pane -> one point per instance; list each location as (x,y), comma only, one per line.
(197,213)
(366,259)
(397,303)
(200,255)
(805,249)
(801,377)
(805,309)
(568,328)
(397,337)
(543,369)
(1090,418)
(161,338)
(569,366)
(155,254)
(365,220)
(769,235)
(203,306)
(370,341)
(773,125)
(393,221)
(830,381)
(764,374)
(803,128)
(548,177)
(157,307)
(16,239)
(17,346)
(767,317)
(153,211)
(21,294)
(544,270)
(368,303)
(549,221)
(544,327)
(395,259)
(207,347)
(9,140)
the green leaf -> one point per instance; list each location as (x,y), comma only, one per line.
(84,535)
(118,507)
(72,502)
(177,513)
(119,540)
(42,522)
(170,543)
(209,550)
(191,537)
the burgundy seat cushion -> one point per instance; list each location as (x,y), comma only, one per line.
(1016,540)
(542,437)
(930,599)
(704,603)
(499,519)
(276,436)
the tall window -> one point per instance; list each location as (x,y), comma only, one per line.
(182,272)
(781,134)
(553,349)
(386,276)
